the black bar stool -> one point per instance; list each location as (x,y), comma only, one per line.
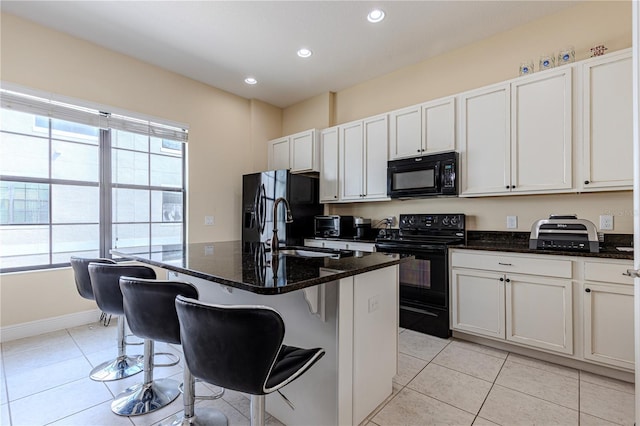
(114,369)
(150,309)
(240,348)
(106,290)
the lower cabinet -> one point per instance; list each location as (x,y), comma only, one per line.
(525,309)
(529,299)
(607,297)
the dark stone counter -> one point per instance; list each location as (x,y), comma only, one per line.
(518,242)
(250,268)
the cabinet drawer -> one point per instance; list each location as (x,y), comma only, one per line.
(539,265)
(607,272)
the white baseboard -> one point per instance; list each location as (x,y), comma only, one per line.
(34,328)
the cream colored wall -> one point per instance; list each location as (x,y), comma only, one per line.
(485,62)
(316,112)
(220,136)
(266,124)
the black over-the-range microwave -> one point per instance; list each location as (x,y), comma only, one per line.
(429,175)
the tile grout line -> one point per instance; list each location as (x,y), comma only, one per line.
(504,361)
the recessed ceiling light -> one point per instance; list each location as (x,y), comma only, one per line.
(376,15)
(250,80)
(304,52)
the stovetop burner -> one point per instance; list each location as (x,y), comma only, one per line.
(417,229)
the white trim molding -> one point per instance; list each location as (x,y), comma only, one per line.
(47,325)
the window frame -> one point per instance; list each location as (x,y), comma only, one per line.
(104,183)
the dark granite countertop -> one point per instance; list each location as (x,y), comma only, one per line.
(249,267)
(518,242)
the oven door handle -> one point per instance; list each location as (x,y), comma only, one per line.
(420,311)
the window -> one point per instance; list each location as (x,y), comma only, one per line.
(73,189)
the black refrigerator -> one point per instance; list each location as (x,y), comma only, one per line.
(259,192)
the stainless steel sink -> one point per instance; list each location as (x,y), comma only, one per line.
(314,252)
(307,253)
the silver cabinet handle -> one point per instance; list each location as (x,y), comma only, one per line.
(633,273)
(505,264)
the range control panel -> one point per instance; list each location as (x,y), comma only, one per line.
(438,221)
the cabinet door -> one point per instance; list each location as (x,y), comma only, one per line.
(304,155)
(608,324)
(477,302)
(607,112)
(376,139)
(329,176)
(438,126)
(405,133)
(278,154)
(351,161)
(541,132)
(485,141)
(539,312)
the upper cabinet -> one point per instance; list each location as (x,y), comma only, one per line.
(517,137)
(329,166)
(422,129)
(298,152)
(363,159)
(607,122)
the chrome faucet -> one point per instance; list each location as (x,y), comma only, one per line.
(275,245)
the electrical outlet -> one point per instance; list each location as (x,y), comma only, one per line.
(512,222)
(208,220)
(606,222)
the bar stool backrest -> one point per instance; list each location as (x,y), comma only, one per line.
(105,280)
(234,347)
(150,308)
(80,266)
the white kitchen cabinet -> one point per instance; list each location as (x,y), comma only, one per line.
(363,159)
(608,314)
(278,155)
(497,295)
(422,129)
(541,131)
(607,122)
(329,166)
(485,140)
(298,152)
(517,137)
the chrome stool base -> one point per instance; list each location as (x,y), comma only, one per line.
(202,418)
(143,399)
(119,368)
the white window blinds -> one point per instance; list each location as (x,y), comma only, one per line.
(102,117)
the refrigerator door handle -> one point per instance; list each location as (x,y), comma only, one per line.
(261,208)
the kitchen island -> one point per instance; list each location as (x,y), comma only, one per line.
(344,303)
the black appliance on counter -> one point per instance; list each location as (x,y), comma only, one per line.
(424,281)
(259,193)
(429,175)
(334,226)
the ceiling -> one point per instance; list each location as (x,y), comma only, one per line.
(222,42)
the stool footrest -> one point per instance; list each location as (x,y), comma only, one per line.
(176,359)
(216,395)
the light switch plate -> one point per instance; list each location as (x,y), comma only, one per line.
(208,220)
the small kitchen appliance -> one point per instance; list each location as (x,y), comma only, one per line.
(564,232)
(334,226)
(428,175)
(424,281)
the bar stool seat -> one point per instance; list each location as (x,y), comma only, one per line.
(240,348)
(150,309)
(105,282)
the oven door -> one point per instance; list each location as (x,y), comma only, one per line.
(423,280)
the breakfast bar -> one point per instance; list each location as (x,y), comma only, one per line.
(345,302)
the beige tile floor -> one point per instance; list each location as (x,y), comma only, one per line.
(44,382)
